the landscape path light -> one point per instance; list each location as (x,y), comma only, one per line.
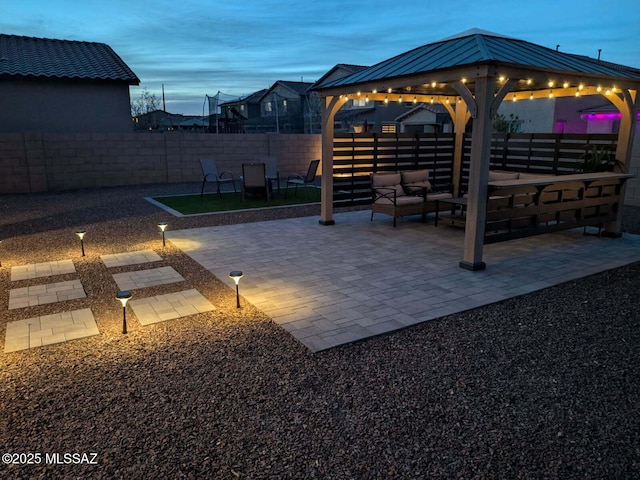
(124,297)
(236,275)
(81,234)
(163,227)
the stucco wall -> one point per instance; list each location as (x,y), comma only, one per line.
(64,106)
(49,162)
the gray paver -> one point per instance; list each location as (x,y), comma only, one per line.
(42,294)
(44,269)
(170,306)
(386,278)
(49,329)
(130,258)
(147,278)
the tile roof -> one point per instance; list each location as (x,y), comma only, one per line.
(41,57)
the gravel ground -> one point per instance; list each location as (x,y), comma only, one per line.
(545,385)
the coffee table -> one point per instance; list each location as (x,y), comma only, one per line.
(456,219)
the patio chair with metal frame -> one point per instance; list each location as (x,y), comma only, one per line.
(210,173)
(254,180)
(273,171)
(300,180)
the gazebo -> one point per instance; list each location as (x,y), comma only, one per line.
(470,74)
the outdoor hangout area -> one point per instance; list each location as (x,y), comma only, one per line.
(236,317)
(439,361)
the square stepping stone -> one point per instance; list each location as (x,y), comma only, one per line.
(170,306)
(147,278)
(130,258)
(42,294)
(45,269)
(49,329)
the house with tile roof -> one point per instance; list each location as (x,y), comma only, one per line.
(49,85)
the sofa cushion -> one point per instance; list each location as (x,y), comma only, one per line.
(499,176)
(403,200)
(414,181)
(382,182)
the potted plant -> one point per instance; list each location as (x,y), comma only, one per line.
(598,159)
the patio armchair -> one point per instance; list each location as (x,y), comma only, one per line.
(254,180)
(303,180)
(210,173)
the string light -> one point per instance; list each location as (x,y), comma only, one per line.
(366,99)
(529,82)
(550,83)
(374,91)
(531,96)
(599,89)
(400,99)
(415,100)
(386,99)
(580,87)
(577,93)
(514,99)
(607,92)
(388,90)
(433,84)
(565,85)
(550,94)
(501,78)
(358,93)
(431,101)
(464,80)
(614,89)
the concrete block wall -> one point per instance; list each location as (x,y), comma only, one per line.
(51,162)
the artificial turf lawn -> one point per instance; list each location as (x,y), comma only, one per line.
(212,202)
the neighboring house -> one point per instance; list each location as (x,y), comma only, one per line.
(425,118)
(51,85)
(282,108)
(159,120)
(235,113)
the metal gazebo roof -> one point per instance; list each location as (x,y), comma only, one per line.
(474,48)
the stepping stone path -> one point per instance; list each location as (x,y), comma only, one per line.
(46,269)
(168,307)
(64,326)
(147,278)
(49,293)
(48,329)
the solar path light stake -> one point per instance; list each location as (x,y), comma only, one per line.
(236,275)
(81,234)
(163,227)
(124,297)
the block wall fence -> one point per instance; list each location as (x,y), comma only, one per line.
(52,162)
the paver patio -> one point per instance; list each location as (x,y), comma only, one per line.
(332,285)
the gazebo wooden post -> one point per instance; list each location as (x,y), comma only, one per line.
(460,118)
(329,106)
(628,105)
(478,176)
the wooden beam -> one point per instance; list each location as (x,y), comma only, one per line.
(330,106)
(478,177)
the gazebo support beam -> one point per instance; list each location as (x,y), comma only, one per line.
(330,106)
(628,105)
(478,176)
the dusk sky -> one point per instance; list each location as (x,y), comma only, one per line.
(201,47)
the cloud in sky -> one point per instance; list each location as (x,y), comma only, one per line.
(199,47)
